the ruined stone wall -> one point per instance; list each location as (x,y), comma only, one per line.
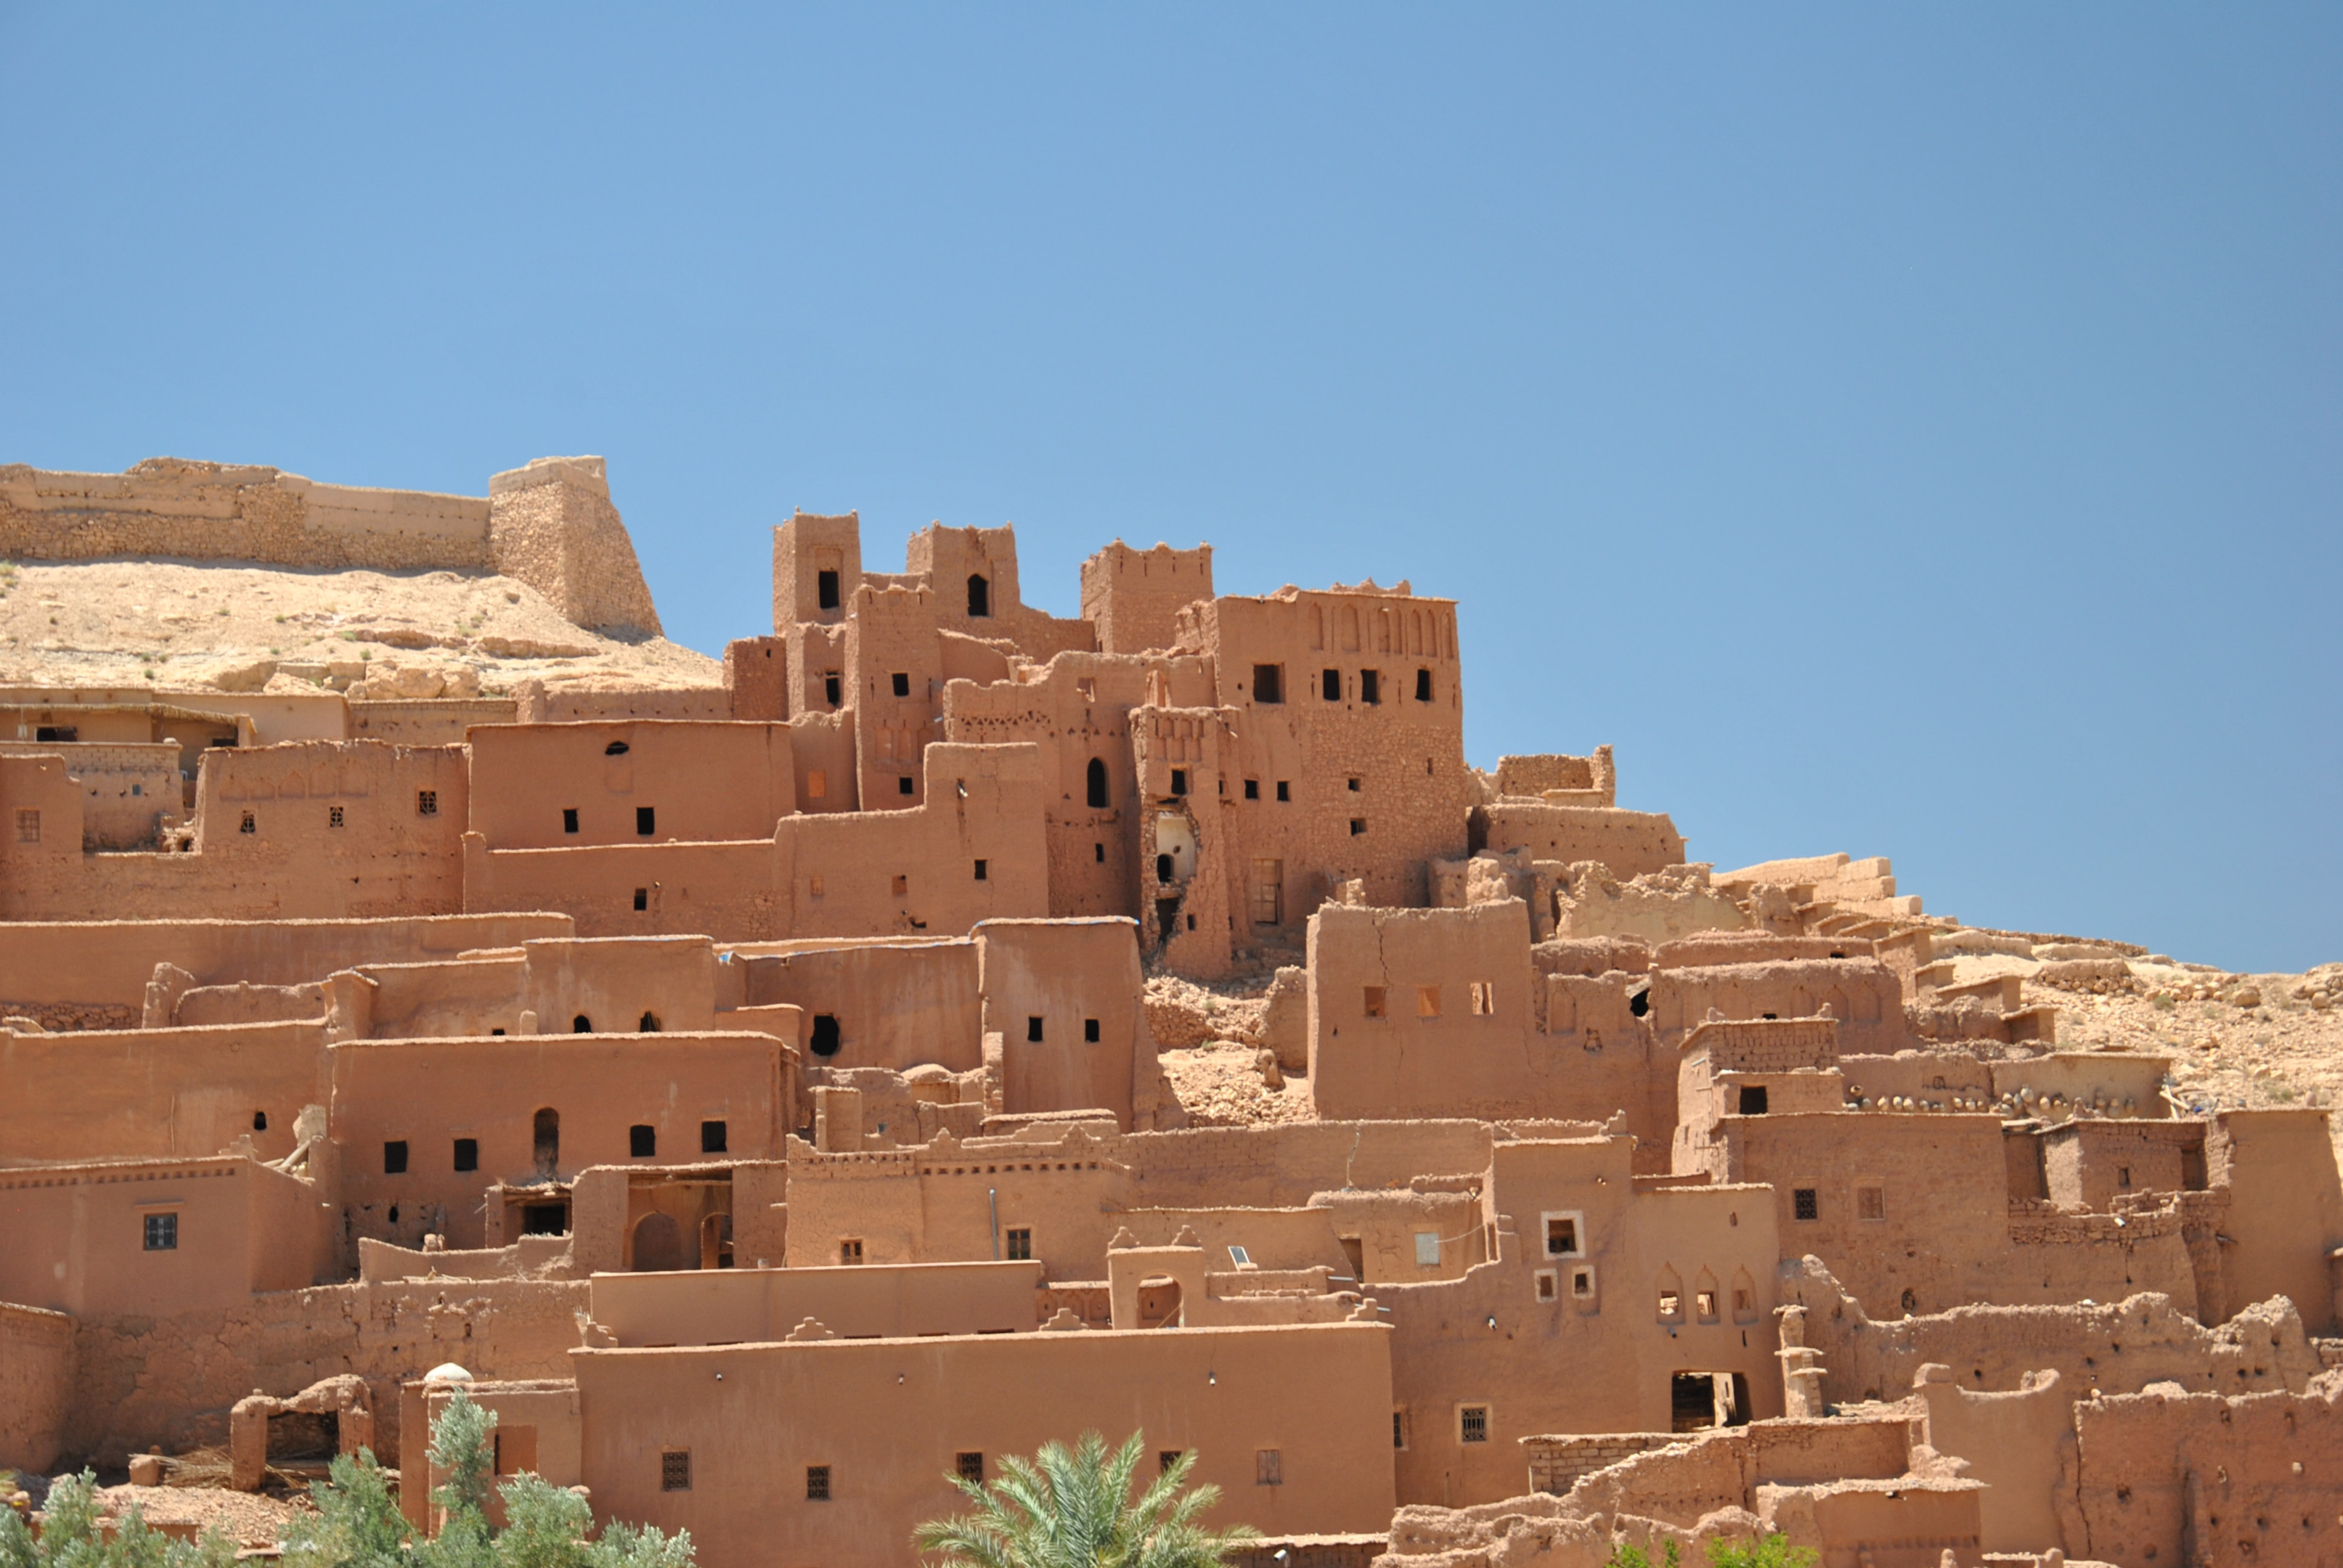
(127,788)
(551,526)
(1626,843)
(37,1376)
(169,506)
(1134,596)
(1557,1461)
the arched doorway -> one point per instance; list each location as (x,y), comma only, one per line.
(659,1244)
(1098,784)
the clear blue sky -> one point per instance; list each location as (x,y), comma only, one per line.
(1907,431)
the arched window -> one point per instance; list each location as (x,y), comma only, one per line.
(980,595)
(650,1023)
(581,1024)
(546,1130)
(1097,783)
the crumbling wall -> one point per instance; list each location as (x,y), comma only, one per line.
(37,1377)
(551,526)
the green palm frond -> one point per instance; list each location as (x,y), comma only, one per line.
(1071,1507)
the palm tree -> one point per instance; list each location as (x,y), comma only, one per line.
(1072,1508)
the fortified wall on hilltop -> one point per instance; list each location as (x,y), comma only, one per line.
(769,1099)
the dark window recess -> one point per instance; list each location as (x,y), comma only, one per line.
(1269,683)
(647,1024)
(902,681)
(1399,1429)
(64,732)
(1017,1245)
(426,802)
(825,1034)
(980,596)
(569,819)
(1090,1031)
(247,825)
(1640,1004)
(675,1463)
(1358,826)
(581,1024)
(642,897)
(980,871)
(1752,1100)
(1802,1203)
(1371,685)
(642,1141)
(544,1140)
(1163,868)
(468,1154)
(829,688)
(1284,790)
(1033,1028)
(1165,1458)
(260,1122)
(903,784)
(333,813)
(817,1484)
(616,748)
(393,1157)
(162,1232)
(646,820)
(1178,781)
(1096,781)
(1424,685)
(1473,1423)
(545,1220)
(711,1138)
(1097,854)
(1192,922)
(970,1466)
(1330,685)
(825,590)
(1356,786)
(1253,788)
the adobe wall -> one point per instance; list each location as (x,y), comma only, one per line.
(1626,843)
(156,1094)
(1863,994)
(36,1375)
(1395,765)
(749,1306)
(127,788)
(1709,1471)
(1189,878)
(896,1005)
(551,525)
(106,964)
(170,1378)
(2286,1216)
(700,782)
(804,548)
(1065,997)
(489,1091)
(1133,597)
(2202,1479)
(888,1418)
(2021,1443)
(894,678)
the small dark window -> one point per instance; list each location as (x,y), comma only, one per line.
(393,1157)
(63,732)
(1752,1100)
(642,1141)
(333,813)
(903,784)
(1097,854)
(1358,826)
(162,1232)
(1356,785)
(260,1122)
(817,1484)
(545,1219)
(2122,1175)
(642,897)
(647,1024)
(829,688)
(569,819)
(1178,781)
(850,1251)
(675,1463)
(1253,788)
(1424,685)
(1284,790)
(1033,1028)
(1163,868)
(1269,683)
(581,1024)
(545,1137)
(825,590)
(616,749)
(646,820)
(970,1466)
(902,683)
(1371,685)
(426,802)
(711,1138)
(825,1034)
(1090,1030)
(1165,1458)
(1192,922)
(980,596)
(1017,1245)
(1473,1423)
(244,824)
(1330,685)
(1802,1203)
(468,1154)
(1561,1236)
(1268,1467)
(1399,1429)
(980,871)
(1640,1004)
(1097,783)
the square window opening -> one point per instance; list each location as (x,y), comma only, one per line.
(333,817)
(1090,1031)
(1017,1243)
(1179,781)
(970,1466)
(1375,1001)
(711,1138)
(1097,854)
(1269,683)
(1284,790)
(849,1250)
(426,802)
(1371,685)
(1331,685)
(569,819)
(393,1157)
(1805,1203)
(642,897)
(1424,685)
(646,820)
(1033,1028)
(832,688)
(675,1470)
(1473,1423)
(1427,1001)
(979,872)
(903,785)
(1752,1100)
(162,1232)
(817,1484)
(467,1154)
(1549,1286)
(1252,790)
(642,1141)
(902,683)
(1358,826)
(825,590)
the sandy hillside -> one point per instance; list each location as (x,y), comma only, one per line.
(225,625)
